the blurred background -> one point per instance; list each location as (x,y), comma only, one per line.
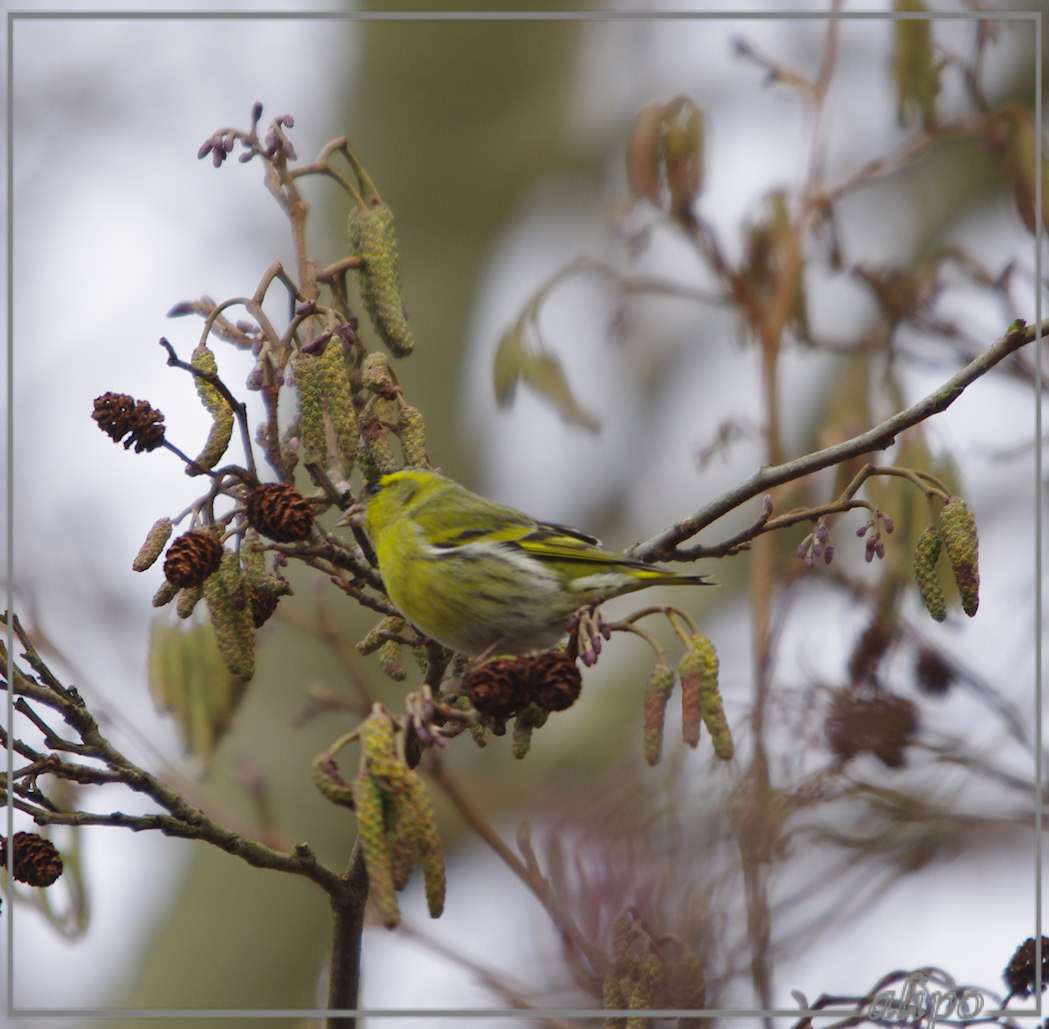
(500,146)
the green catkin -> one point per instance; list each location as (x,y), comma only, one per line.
(322,386)
(392,625)
(221,431)
(376,376)
(378,740)
(390,660)
(165,594)
(409,823)
(375,846)
(337,400)
(229,605)
(167,667)
(309,393)
(415,813)
(412,432)
(372,239)
(615,997)
(689,980)
(374,452)
(647,979)
(962,544)
(188,599)
(710,702)
(253,562)
(326,778)
(404,851)
(153,545)
(526,721)
(926,554)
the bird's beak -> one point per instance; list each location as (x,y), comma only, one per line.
(352,515)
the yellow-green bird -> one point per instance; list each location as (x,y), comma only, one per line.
(481,577)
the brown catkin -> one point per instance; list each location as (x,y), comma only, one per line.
(690,672)
(657,694)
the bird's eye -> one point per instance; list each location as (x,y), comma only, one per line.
(372,488)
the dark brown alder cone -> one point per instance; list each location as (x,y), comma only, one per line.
(497,687)
(504,686)
(279,511)
(120,415)
(191,558)
(35,861)
(1019,974)
(555,679)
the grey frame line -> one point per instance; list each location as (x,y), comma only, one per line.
(1038,512)
(502,16)
(9,542)
(579,15)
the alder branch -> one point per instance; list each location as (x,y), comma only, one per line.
(666,545)
(182,819)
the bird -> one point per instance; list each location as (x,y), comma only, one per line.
(480,577)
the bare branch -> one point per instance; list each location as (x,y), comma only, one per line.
(665,546)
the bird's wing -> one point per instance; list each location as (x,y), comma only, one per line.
(551,542)
(483,520)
